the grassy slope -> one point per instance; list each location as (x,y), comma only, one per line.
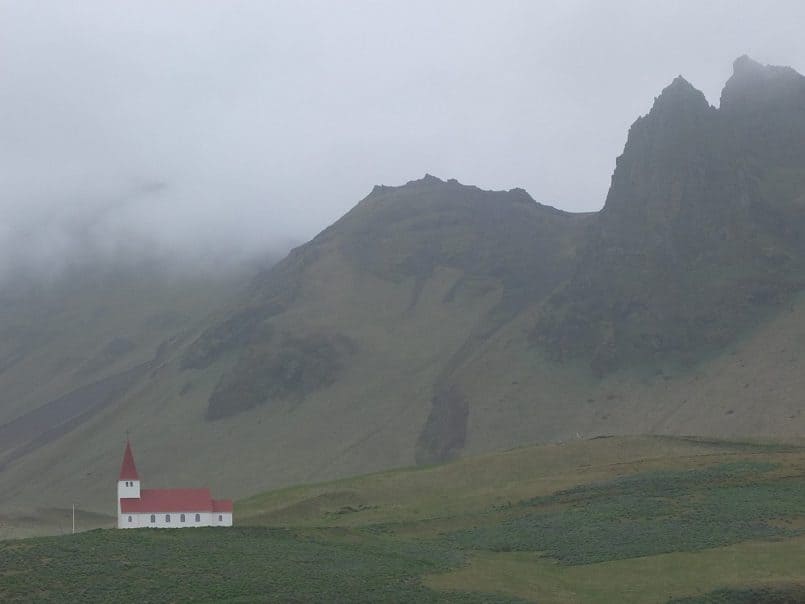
(470,485)
(61,337)
(369,421)
(58,334)
(760,491)
(355,426)
(418,534)
(233,565)
(657,578)
(752,388)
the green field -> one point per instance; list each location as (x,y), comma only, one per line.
(608,520)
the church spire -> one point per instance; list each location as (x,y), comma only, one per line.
(128,471)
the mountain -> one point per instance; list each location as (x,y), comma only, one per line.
(701,232)
(437,319)
(404,289)
(71,347)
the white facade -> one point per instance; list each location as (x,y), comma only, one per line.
(173,519)
(126,489)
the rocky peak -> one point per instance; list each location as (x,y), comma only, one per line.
(678,109)
(662,148)
(697,190)
(428,179)
(746,66)
(680,95)
(762,87)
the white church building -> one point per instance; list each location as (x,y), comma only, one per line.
(165,508)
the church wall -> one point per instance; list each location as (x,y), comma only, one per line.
(226,519)
(144,520)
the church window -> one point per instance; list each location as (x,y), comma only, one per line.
(167,517)
(198,517)
(129,518)
(181,517)
(153,518)
(220,517)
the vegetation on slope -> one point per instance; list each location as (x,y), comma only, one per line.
(628,520)
(295,367)
(71,348)
(648,514)
(495,241)
(232,565)
(777,594)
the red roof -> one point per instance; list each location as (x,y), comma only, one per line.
(222,505)
(128,471)
(169,500)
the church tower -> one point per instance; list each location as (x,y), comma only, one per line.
(128,483)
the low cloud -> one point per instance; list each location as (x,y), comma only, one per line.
(210,131)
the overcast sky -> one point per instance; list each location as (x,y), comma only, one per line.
(225,126)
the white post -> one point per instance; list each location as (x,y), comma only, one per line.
(74,519)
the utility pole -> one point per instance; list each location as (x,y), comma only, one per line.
(73,519)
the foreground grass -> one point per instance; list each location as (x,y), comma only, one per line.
(609,520)
(475,484)
(700,576)
(650,513)
(217,565)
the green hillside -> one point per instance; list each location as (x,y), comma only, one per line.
(76,351)
(640,519)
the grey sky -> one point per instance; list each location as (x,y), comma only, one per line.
(224,126)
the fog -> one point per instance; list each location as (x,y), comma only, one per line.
(219,130)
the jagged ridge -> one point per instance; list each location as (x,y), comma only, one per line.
(436,318)
(696,239)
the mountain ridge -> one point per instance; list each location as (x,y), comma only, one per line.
(435,319)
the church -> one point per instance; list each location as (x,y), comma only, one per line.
(165,508)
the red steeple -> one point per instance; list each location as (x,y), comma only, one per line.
(128,471)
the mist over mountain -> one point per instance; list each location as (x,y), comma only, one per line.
(153,226)
(200,133)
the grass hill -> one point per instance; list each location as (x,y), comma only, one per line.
(635,519)
(436,320)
